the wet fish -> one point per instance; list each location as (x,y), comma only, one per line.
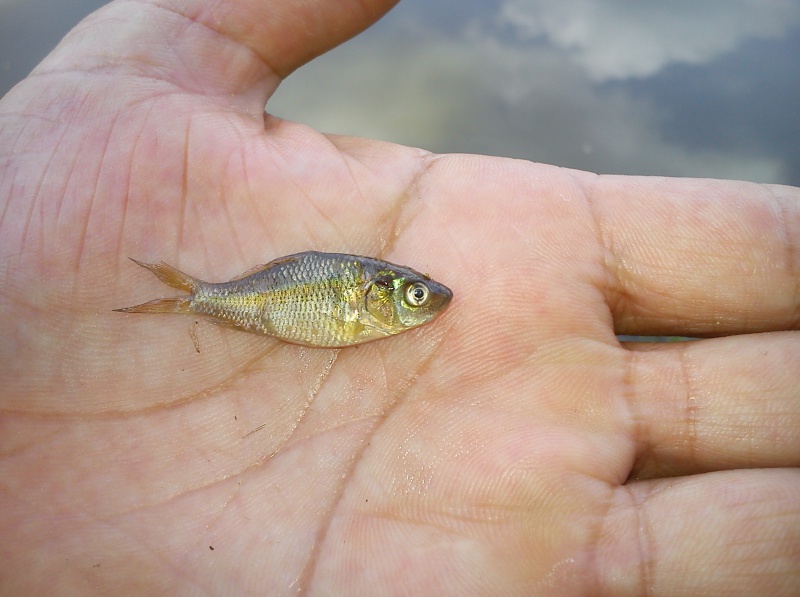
(312,298)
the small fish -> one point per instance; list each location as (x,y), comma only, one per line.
(312,298)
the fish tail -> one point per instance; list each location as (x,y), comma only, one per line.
(170,276)
(164,305)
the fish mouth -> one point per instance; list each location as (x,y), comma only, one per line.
(441,295)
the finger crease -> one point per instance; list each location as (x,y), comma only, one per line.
(638,431)
(788,216)
(647,546)
(612,286)
(690,405)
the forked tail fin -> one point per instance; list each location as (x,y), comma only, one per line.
(164,305)
(172,277)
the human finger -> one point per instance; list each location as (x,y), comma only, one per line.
(217,48)
(728,533)
(716,404)
(699,257)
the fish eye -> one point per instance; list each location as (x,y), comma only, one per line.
(417,294)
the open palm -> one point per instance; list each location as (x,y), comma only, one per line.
(511,447)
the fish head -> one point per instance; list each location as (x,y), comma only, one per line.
(401,299)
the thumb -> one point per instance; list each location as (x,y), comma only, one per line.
(216,47)
(286,34)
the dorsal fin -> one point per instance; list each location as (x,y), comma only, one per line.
(265,266)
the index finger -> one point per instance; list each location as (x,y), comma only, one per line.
(699,257)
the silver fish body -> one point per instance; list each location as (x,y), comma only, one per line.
(312,298)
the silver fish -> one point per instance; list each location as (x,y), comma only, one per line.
(312,298)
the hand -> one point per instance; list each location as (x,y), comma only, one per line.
(512,447)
